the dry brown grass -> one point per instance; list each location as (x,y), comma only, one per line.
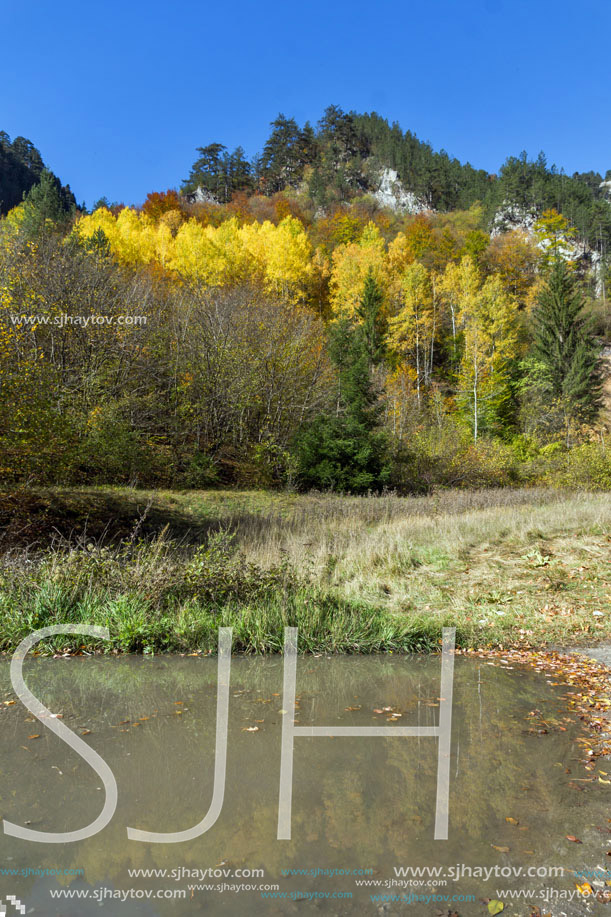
(503,565)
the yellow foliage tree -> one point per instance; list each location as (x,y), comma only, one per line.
(488,320)
(280,257)
(555,236)
(412,331)
(515,256)
(351,265)
(458,287)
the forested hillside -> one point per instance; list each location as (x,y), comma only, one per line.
(341,159)
(280,321)
(21,166)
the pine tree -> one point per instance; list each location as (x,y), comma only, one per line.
(208,172)
(281,162)
(219,173)
(307,148)
(374,326)
(240,172)
(43,205)
(566,349)
(345,449)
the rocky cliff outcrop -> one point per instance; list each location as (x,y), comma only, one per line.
(392,194)
(510,217)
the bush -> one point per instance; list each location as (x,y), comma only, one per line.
(446,456)
(158,571)
(201,471)
(112,451)
(586,466)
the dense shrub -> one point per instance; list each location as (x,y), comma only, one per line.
(448,457)
(586,466)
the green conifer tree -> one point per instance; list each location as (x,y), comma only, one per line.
(43,205)
(344,449)
(566,350)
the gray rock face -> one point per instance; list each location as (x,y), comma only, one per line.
(606,187)
(510,217)
(393,195)
(199,196)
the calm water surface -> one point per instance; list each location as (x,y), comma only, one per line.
(517,787)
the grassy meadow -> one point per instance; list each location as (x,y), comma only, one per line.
(164,569)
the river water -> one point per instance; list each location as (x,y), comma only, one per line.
(362,807)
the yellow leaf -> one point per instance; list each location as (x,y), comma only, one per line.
(585,889)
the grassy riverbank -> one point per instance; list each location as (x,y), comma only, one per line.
(163,570)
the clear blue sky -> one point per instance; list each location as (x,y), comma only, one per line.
(117,95)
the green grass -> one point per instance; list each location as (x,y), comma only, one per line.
(355,574)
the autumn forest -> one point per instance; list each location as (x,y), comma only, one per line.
(349,310)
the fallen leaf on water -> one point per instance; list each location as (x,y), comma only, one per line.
(35,736)
(571,837)
(585,889)
(250,729)
(512,821)
(500,850)
(607,782)
(8,703)
(495,907)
